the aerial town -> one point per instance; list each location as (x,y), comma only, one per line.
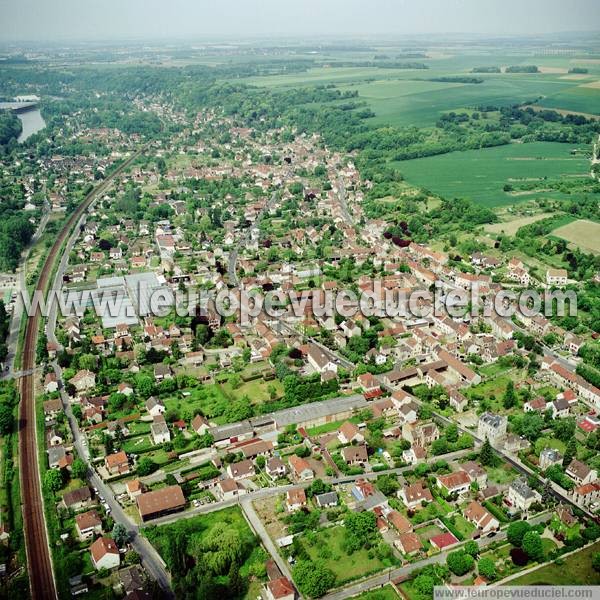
(302,449)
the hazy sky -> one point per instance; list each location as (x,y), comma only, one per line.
(42,20)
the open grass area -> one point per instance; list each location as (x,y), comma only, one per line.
(549,442)
(387,592)
(575,569)
(501,475)
(481,174)
(327,545)
(463,526)
(582,233)
(510,227)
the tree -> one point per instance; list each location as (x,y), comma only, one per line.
(510,398)
(459,562)
(313,578)
(120,534)
(79,469)
(220,548)
(570,452)
(596,561)
(471,548)
(6,419)
(387,484)
(53,480)
(146,466)
(516,531)
(359,529)
(487,456)
(424,584)
(486,568)
(532,545)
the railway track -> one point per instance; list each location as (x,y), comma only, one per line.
(39,560)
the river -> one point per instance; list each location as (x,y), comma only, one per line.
(31,119)
(32,122)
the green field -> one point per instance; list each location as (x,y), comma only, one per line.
(574,570)
(579,98)
(327,545)
(405,97)
(481,174)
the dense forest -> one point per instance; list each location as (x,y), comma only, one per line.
(10,127)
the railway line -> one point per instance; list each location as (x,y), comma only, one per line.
(39,560)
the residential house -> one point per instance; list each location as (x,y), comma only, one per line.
(521,496)
(476,473)
(414,495)
(50,383)
(355,456)
(280,588)
(480,517)
(326,500)
(348,433)
(580,473)
(454,483)
(227,489)
(88,524)
(77,499)
(295,499)
(408,543)
(155,406)
(241,470)
(83,380)
(587,494)
(300,468)
(158,503)
(275,468)
(492,427)
(105,554)
(549,457)
(117,463)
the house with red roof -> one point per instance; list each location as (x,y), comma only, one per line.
(443,540)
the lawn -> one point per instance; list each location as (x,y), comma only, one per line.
(387,592)
(548,442)
(481,174)
(463,526)
(427,532)
(575,569)
(431,511)
(501,475)
(327,545)
(257,390)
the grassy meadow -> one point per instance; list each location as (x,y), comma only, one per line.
(481,174)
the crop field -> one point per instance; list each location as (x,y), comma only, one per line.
(512,226)
(481,174)
(583,233)
(583,98)
(407,97)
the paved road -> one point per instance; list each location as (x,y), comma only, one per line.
(282,489)
(259,529)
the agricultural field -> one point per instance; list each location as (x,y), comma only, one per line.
(510,227)
(583,233)
(408,97)
(480,175)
